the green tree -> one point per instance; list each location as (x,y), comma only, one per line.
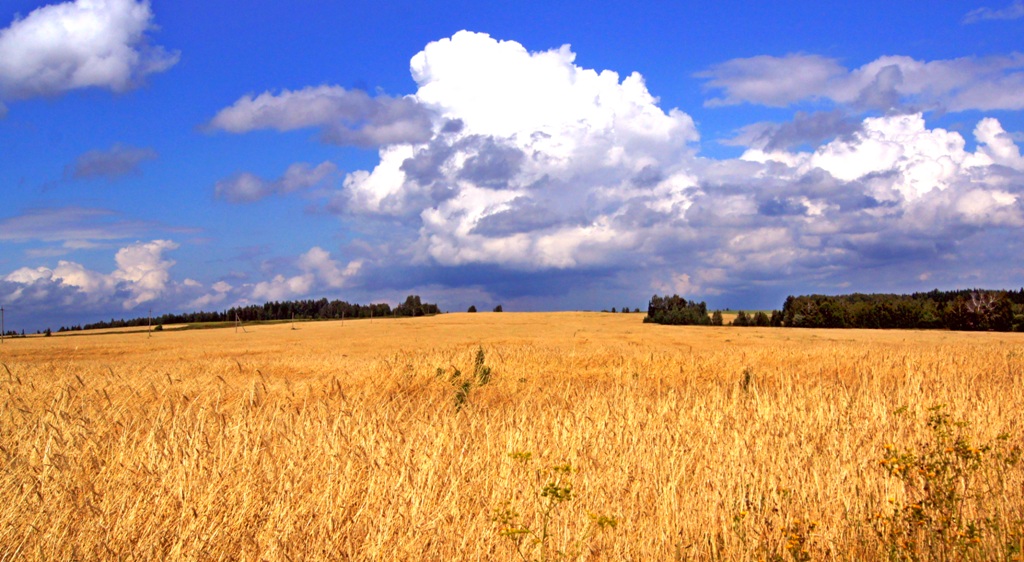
(716,318)
(832,315)
(1000,314)
(958,316)
(472,308)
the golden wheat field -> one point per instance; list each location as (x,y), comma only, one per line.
(532,436)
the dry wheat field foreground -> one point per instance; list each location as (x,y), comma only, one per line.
(533,436)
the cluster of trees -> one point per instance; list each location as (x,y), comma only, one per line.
(321,309)
(413,306)
(472,308)
(677,311)
(973,309)
(759,319)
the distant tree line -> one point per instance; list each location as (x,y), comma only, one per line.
(322,309)
(967,309)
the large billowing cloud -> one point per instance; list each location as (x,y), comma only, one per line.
(985,83)
(533,160)
(510,172)
(80,44)
(347,117)
(537,165)
(906,160)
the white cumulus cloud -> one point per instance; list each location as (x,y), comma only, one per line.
(915,160)
(221,290)
(80,44)
(896,192)
(142,275)
(531,158)
(144,271)
(318,270)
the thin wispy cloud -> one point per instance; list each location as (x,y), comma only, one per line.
(345,117)
(804,129)
(887,83)
(1011,12)
(247,188)
(114,163)
(60,224)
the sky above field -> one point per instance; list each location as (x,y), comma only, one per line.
(188,155)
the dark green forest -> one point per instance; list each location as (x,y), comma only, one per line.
(322,309)
(966,309)
(677,311)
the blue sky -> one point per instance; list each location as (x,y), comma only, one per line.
(190,155)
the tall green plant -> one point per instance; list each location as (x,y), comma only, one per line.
(532,538)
